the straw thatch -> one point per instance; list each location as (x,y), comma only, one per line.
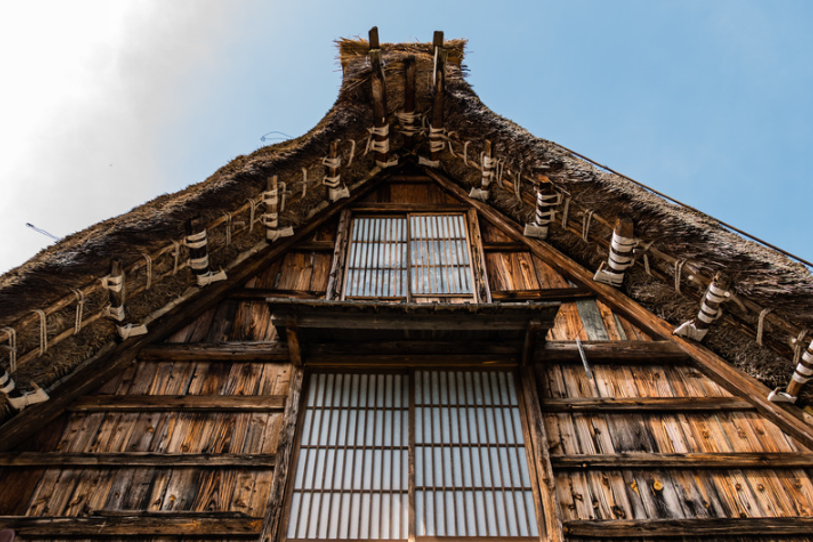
(761,275)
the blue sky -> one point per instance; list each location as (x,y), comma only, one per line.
(109,104)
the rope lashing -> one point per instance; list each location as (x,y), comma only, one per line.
(566,212)
(435,68)
(437,139)
(382,146)
(271,200)
(716,295)
(352,152)
(761,324)
(620,257)
(7,384)
(43,331)
(148,260)
(283,195)
(252,210)
(176,251)
(80,308)
(11,333)
(227,216)
(465,153)
(489,166)
(115,284)
(499,168)
(643,248)
(407,122)
(196,240)
(678,271)
(518,186)
(333,163)
(798,346)
(587,218)
(448,138)
(804,368)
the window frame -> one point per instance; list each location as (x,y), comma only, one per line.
(522,406)
(474,280)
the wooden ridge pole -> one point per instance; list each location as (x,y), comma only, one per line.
(436,141)
(381,136)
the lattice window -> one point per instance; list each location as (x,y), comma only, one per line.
(413,255)
(460,431)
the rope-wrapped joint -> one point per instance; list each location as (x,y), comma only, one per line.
(379,142)
(802,374)
(710,310)
(408,123)
(16,399)
(270,219)
(545,212)
(620,257)
(333,179)
(488,169)
(116,287)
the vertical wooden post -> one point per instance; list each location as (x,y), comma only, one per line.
(407,118)
(381,129)
(272,522)
(436,130)
(270,218)
(488,169)
(620,258)
(710,310)
(546,200)
(335,280)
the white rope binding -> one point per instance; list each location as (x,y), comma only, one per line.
(80,308)
(11,333)
(761,324)
(43,331)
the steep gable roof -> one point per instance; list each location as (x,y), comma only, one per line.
(686,248)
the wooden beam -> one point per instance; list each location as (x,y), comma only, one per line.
(531,339)
(644,404)
(127,524)
(379,93)
(439,88)
(694,527)
(478,257)
(505,247)
(541,453)
(789,418)
(314,246)
(410,71)
(413,348)
(264,294)
(258,352)
(446,322)
(685,461)
(654,352)
(550,294)
(398,207)
(187,403)
(293,343)
(111,359)
(287,442)
(136,459)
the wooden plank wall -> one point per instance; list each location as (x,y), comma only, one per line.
(517,270)
(579,442)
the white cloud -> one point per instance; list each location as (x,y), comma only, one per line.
(90,87)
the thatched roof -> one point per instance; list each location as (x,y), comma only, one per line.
(762,278)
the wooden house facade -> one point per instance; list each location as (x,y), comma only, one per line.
(416,322)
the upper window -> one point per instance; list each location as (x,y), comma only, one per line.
(405,256)
(460,433)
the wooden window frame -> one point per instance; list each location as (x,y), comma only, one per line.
(473,252)
(529,443)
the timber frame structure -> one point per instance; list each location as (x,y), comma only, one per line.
(414,234)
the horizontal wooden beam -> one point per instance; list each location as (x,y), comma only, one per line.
(505,247)
(137,524)
(684,461)
(410,208)
(425,321)
(550,294)
(264,294)
(263,352)
(633,528)
(187,403)
(642,404)
(414,348)
(655,352)
(315,246)
(136,459)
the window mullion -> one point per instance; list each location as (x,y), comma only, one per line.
(411,457)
